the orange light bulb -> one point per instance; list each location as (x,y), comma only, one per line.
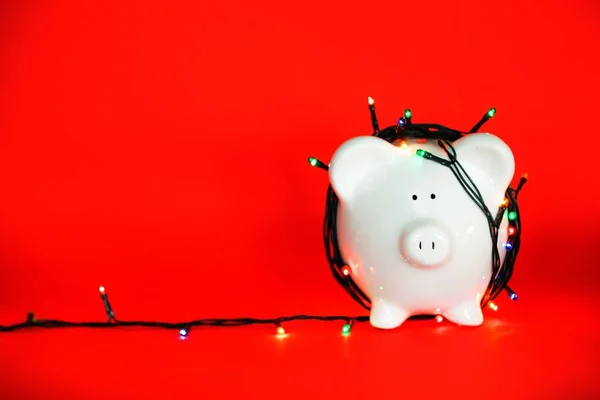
(493,306)
(280,330)
(504,202)
(403,144)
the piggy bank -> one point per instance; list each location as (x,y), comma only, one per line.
(415,242)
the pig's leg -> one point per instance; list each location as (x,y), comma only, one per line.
(387,316)
(467,313)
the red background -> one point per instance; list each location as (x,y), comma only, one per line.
(159,149)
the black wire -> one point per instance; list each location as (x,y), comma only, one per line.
(334,257)
(493,223)
(501,273)
(177,325)
(445,136)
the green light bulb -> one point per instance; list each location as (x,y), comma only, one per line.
(512,215)
(407,113)
(491,113)
(346,329)
(313,161)
(421,153)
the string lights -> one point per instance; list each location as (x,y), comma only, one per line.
(374,122)
(404,128)
(316,163)
(183,333)
(183,328)
(347,328)
(107,306)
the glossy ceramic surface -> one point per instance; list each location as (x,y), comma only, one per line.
(415,241)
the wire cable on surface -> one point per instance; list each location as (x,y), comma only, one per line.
(405,128)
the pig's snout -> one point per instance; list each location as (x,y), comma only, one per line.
(426,245)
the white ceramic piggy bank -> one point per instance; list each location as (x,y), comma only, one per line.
(415,241)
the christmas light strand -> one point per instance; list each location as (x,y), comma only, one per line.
(405,128)
(184,327)
(342,273)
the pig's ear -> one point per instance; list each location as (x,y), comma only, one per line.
(355,159)
(490,164)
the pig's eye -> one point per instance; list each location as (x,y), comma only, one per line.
(432,195)
(414,196)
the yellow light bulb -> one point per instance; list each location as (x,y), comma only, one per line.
(371,101)
(439,319)
(403,144)
(493,306)
(280,330)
